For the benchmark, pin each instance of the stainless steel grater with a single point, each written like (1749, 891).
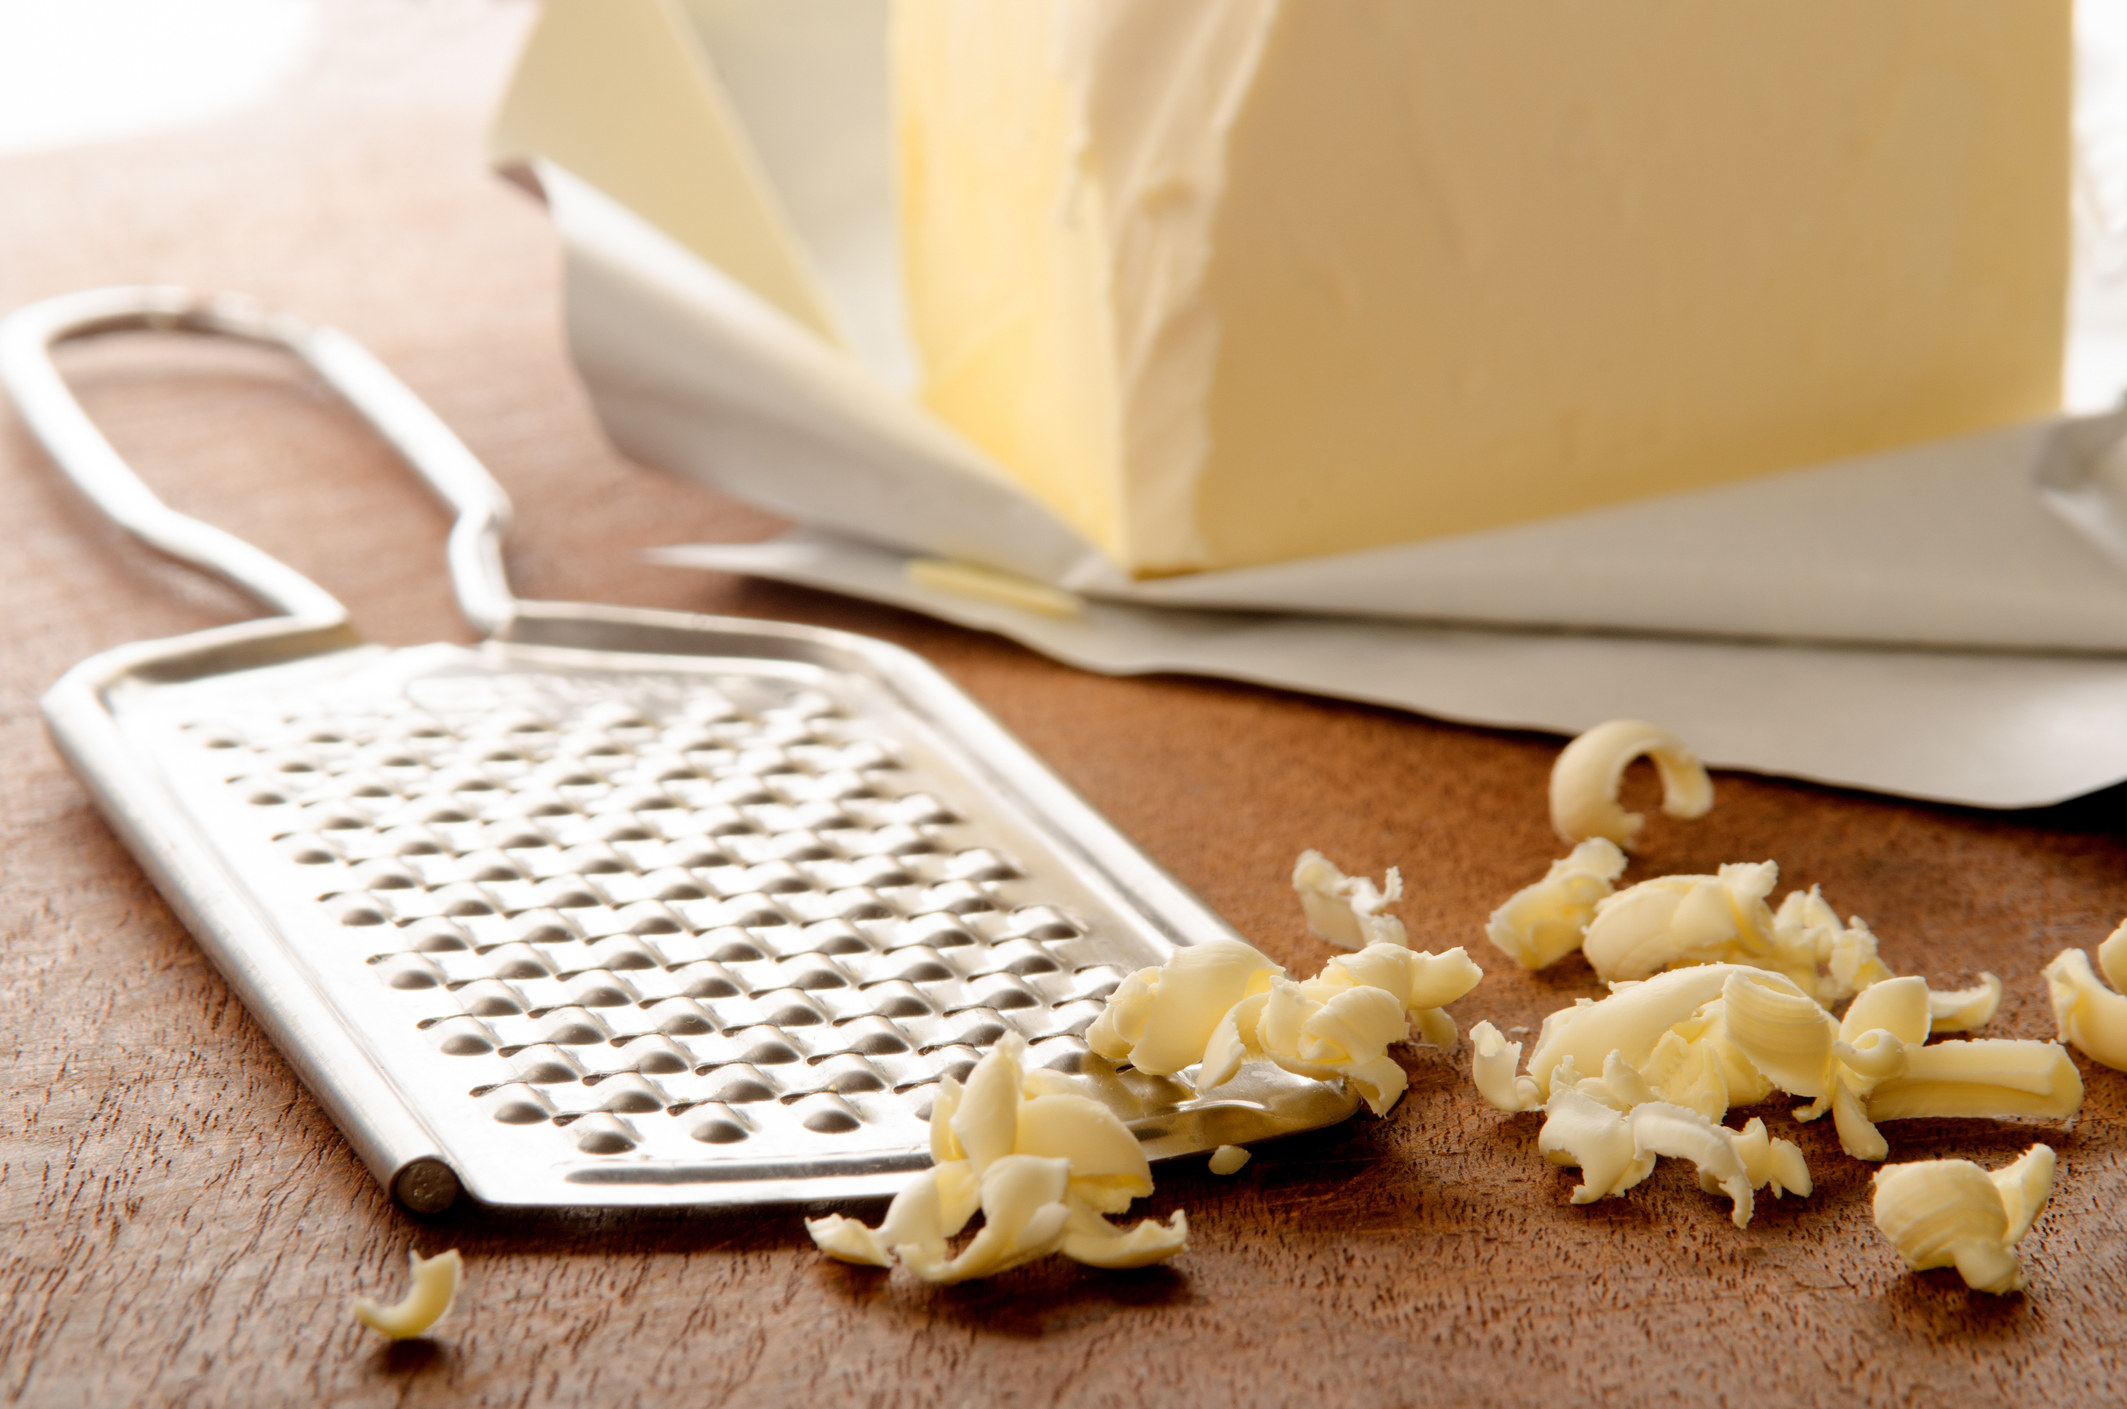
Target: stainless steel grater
(617, 907)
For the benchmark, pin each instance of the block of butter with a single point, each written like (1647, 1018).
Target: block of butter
(1227, 282)
(723, 178)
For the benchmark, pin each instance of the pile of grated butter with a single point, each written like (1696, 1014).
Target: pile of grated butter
(1717, 1000)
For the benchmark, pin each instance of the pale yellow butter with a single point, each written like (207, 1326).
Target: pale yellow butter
(435, 1287)
(1044, 1168)
(1952, 1213)
(1234, 281)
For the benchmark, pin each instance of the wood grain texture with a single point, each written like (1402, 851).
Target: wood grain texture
(187, 1228)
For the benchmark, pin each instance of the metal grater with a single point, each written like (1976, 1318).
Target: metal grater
(617, 907)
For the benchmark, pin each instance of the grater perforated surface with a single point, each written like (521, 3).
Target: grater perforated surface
(640, 913)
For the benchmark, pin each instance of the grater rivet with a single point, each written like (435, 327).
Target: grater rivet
(425, 1186)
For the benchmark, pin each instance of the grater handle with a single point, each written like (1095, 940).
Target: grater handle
(28, 335)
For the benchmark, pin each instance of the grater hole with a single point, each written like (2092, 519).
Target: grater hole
(306, 849)
(1032, 964)
(520, 1111)
(770, 1054)
(626, 958)
(660, 1062)
(902, 1005)
(879, 1044)
(535, 929)
(793, 1016)
(698, 855)
(736, 952)
(713, 986)
(520, 965)
(718, 1131)
(384, 875)
(831, 1122)
(615, 715)
(489, 1001)
(844, 944)
(604, 1142)
(1070, 1061)
(357, 910)
(982, 1034)
(848, 1082)
(466, 1044)
(983, 866)
(743, 1091)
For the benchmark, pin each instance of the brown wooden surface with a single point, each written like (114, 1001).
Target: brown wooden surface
(187, 1227)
